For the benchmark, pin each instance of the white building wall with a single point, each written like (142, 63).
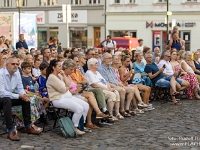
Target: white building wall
(128, 17)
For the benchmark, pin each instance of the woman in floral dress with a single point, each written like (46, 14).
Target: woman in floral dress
(179, 65)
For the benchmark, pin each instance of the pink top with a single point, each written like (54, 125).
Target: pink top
(117, 75)
(72, 86)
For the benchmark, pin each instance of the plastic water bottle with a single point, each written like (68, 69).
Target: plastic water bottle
(36, 85)
(32, 88)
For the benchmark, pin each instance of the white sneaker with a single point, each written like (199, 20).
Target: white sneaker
(142, 105)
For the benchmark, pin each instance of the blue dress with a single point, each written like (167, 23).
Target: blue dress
(42, 84)
(140, 69)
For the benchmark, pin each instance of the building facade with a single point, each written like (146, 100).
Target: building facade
(86, 29)
(146, 19)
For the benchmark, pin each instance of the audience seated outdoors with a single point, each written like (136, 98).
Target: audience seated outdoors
(158, 79)
(132, 90)
(60, 95)
(90, 84)
(69, 66)
(127, 77)
(96, 80)
(139, 66)
(12, 93)
(109, 75)
(169, 71)
(186, 72)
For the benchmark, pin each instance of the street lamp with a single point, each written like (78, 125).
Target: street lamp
(167, 20)
(19, 6)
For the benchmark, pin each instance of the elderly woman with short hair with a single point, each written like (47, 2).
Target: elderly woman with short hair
(96, 80)
(69, 66)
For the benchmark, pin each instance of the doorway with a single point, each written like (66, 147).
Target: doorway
(97, 36)
(185, 35)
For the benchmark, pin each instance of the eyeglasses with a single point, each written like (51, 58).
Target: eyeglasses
(76, 51)
(167, 56)
(13, 64)
(109, 58)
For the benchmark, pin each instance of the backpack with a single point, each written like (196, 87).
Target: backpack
(102, 44)
(67, 127)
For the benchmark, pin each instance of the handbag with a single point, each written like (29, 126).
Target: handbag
(67, 127)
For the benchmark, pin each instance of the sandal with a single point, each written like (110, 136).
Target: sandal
(125, 114)
(177, 103)
(175, 94)
(36, 128)
(87, 130)
(133, 113)
(119, 116)
(115, 118)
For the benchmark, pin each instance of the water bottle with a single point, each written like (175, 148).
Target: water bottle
(36, 85)
(32, 88)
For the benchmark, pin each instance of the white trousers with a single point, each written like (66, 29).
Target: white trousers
(78, 106)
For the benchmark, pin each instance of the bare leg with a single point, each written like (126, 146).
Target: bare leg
(110, 107)
(146, 90)
(117, 107)
(92, 101)
(130, 93)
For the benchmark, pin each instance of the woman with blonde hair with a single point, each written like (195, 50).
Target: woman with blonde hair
(185, 72)
(139, 66)
(126, 77)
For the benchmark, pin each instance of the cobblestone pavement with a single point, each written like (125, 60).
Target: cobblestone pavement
(155, 130)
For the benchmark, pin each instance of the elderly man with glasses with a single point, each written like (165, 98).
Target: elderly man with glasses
(12, 94)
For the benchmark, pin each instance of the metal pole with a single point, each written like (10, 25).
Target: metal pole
(167, 24)
(67, 34)
(19, 18)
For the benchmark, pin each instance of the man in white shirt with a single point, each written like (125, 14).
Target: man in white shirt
(140, 47)
(12, 94)
(110, 45)
(169, 71)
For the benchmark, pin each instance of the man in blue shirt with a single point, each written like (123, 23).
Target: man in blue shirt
(158, 79)
(22, 44)
(12, 94)
(109, 75)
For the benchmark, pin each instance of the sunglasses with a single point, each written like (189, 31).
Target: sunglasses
(13, 64)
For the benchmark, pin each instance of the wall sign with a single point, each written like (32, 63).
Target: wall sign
(162, 24)
(40, 16)
(77, 16)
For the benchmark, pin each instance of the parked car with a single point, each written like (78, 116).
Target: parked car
(122, 43)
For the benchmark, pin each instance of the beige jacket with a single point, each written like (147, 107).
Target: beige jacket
(55, 87)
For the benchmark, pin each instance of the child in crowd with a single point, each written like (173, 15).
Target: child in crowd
(28, 83)
(36, 70)
(42, 80)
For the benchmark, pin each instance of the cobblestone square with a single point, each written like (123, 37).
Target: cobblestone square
(165, 128)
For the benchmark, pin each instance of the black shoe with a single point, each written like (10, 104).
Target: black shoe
(106, 112)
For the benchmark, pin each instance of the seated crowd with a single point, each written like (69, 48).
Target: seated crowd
(114, 86)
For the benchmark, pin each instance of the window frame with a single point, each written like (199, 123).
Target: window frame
(47, 2)
(92, 2)
(7, 2)
(73, 2)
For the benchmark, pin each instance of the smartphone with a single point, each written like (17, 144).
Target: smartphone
(179, 73)
(83, 88)
(164, 66)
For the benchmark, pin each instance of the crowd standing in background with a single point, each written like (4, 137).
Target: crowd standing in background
(115, 84)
